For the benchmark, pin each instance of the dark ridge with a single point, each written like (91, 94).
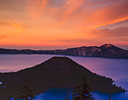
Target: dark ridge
(57, 72)
(106, 50)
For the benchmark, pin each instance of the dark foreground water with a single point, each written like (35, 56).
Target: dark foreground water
(117, 69)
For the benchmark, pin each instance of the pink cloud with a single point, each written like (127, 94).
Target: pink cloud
(117, 32)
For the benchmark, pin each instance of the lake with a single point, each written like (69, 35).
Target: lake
(117, 69)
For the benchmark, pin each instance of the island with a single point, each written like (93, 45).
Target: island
(57, 72)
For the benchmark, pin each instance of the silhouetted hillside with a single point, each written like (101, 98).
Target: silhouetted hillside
(57, 72)
(106, 50)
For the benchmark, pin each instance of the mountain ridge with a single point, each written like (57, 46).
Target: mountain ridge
(106, 50)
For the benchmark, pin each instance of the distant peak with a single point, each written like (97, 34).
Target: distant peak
(107, 45)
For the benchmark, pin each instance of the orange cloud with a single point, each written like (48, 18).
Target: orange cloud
(110, 22)
(41, 3)
(71, 6)
(37, 8)
(2, 36)
(112, 14)
(68, 10)
(56, 22)
(17, 26)
(45, 2)
(10, 28)
(116, 32)
(37, 2)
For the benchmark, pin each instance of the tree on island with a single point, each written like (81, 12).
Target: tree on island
(82, 92)
(26, 93)
(67, 98)
(110, 96)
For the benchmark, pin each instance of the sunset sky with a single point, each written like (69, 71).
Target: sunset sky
(58, 24)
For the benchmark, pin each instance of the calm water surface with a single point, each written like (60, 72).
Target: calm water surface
(117, 69)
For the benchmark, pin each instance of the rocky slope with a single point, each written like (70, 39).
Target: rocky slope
(57, 72)
(106, 50)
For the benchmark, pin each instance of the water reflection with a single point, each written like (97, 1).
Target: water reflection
(60, 94)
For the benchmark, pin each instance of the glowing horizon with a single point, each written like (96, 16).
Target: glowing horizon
(55, 24)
